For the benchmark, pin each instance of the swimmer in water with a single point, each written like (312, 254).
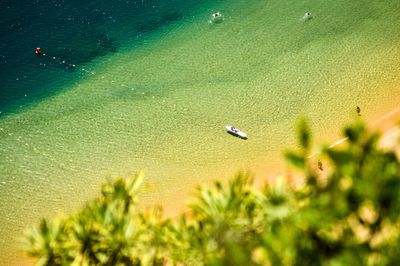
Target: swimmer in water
(320, 167)
(307, 16)
(216, 17)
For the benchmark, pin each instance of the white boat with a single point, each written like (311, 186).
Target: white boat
(234, 131)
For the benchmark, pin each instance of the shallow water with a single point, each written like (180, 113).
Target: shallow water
(157, 98)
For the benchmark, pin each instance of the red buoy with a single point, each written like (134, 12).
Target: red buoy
(38, 51)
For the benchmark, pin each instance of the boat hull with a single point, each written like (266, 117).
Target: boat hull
(236, 132)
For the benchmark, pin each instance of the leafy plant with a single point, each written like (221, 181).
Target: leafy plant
(344, 213)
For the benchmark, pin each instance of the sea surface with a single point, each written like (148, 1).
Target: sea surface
(129, 86)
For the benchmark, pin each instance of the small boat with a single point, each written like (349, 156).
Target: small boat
(236, 132)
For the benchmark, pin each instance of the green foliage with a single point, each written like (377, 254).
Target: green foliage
(298, 159)
(347, 214)
(304, 135)
(107, 231)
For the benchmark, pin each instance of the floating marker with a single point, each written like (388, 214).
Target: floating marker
(38, 51)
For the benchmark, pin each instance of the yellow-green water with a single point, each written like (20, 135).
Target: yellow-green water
(162, 107)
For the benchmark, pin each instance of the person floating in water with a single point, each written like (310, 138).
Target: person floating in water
(216, 17)
(358, 110)
(307, 16)
(320, 167)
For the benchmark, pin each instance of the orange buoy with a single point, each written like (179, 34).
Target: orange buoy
(38, 51)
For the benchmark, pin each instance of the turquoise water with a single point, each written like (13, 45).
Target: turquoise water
(158, 87)
(71, 34)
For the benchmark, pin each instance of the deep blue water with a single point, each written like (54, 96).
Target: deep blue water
(71, 33)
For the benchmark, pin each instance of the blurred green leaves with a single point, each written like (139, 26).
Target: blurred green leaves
(347, 213)
(298, 159)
